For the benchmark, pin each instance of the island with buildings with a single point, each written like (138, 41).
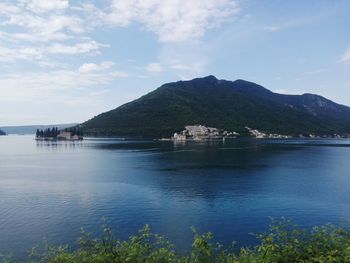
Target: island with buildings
(202, 133)
(52, 134)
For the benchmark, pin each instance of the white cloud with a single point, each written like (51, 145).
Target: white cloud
(40, 27)
(37, 86)
(154, 67)
(346, 56)
(31, 38)
(26, 53)
(191, 69)
(119, 74)
(79, 48)
(93, 67)
(170, 20)
(187, 60)
(41, 53)
(44, 5)
(8, 8)
(193, 66)
(37, 22)
(43, 25)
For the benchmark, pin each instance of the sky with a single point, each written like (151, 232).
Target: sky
(64, 61)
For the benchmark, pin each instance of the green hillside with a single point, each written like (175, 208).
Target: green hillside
(230, 105)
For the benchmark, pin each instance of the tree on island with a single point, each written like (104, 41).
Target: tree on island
(54, 132)
(47, 133)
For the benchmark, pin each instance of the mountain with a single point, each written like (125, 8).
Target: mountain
(229, 105)
(31, 129)
(2, 133)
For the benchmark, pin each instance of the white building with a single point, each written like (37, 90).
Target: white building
(179, 137)
(64, 135)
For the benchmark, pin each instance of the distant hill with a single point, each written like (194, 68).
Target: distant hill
(2, 133)
(31, 129)
(230, 105)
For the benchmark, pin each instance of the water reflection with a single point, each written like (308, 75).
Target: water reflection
(51, 189)
(58, 144)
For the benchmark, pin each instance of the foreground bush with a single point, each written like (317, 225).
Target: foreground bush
(283, 242)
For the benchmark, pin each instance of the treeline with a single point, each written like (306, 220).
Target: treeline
(52, 133)
(284, 242)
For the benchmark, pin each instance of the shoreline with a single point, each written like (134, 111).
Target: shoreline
(57, 139)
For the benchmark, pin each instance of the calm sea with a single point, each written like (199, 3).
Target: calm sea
(48, 191)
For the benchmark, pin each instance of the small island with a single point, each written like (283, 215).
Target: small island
(68, 134)
(2, 133)
(202, 133)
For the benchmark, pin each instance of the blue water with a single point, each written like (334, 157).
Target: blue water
(48, 191)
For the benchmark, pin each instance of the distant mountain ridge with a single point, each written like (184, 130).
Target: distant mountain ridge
(229, 105)
(2, 133)
(31, 129)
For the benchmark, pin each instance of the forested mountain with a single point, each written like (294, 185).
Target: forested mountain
(230, 105)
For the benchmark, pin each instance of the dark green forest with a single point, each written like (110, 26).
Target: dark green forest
(228, 105)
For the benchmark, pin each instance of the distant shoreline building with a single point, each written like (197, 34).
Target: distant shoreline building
(66, 135)
(202, 133)
(71, 134)
(261, 135)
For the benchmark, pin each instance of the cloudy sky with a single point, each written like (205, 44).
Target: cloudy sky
(69, 60)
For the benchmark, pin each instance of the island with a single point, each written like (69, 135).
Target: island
(52, 134)
(2, 133)
(202, 133)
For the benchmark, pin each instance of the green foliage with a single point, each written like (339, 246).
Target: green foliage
(47, 133)
(222, 104)
(284, 242)
(54, 132)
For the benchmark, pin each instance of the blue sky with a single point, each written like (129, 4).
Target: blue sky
(67, 61)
